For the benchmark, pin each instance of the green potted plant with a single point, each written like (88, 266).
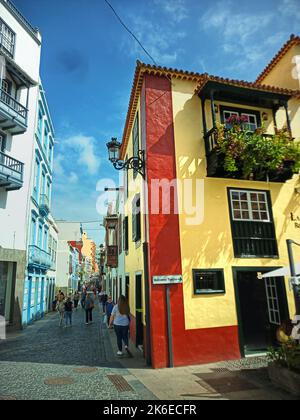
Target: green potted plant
(249, 155)
(284, 367)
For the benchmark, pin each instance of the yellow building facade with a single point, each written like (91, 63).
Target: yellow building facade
(223, 229)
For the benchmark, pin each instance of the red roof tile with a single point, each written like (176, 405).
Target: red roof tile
(244, 84)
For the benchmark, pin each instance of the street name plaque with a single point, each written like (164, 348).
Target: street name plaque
(167, 280)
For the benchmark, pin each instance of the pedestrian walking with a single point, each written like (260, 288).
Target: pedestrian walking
(108, 309)
(76, 299)
(120, 319)
(82, 301)
(68, 311)
(61, 311)
(103, 301)
(89, 307)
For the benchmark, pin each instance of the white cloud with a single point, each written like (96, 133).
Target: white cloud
(290, 8)
(160, 40)
(73, 178)
(239, 32)
(175, 9)
(57, 165)
(85, 147)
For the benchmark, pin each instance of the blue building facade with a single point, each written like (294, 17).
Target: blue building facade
(39, 287)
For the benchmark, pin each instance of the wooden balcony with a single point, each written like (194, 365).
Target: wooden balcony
(112, 256)
(215, 163)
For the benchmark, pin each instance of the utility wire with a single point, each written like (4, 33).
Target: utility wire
(129, 31)
(137, 40)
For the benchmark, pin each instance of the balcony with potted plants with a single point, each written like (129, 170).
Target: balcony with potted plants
(235, 152)
(238, 145)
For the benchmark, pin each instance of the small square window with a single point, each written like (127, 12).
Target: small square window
(207, 282)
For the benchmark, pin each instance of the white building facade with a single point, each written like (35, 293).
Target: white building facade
(69, 268)
(20, 47)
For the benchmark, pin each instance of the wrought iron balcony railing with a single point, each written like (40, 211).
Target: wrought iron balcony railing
(38, 257)
(13, 105)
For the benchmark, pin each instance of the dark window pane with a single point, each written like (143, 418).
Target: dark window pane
(237, 214)
(246, 215)
(208, 281)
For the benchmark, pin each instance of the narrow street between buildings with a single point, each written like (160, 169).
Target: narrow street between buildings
(46, 362)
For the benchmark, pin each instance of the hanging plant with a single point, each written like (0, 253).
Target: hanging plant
(255, 153)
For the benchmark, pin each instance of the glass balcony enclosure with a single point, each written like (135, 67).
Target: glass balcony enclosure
(38, 257)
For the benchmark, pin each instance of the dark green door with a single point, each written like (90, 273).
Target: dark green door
(262, 308)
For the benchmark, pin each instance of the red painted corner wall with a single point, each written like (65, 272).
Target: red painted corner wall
(190, 346)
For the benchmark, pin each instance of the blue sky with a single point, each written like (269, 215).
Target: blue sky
(88, 62)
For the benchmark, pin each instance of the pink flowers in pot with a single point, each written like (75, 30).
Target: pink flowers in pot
(236, 120)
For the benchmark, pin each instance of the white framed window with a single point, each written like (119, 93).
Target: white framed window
(227, 115)
(251, 123)
(7, 38)
(251, 206)
(273, 301)
(5, 86)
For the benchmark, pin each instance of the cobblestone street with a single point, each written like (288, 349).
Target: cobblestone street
(48, 362)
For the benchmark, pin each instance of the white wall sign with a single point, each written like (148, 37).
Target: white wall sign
(167, 279)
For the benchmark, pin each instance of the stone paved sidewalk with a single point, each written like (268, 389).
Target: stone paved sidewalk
(245, 379)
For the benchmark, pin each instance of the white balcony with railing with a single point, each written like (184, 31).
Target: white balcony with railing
(11, 173)
(13, 115)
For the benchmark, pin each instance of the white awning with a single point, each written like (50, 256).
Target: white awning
(282, 272)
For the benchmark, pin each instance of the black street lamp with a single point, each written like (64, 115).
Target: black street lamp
(137, 163)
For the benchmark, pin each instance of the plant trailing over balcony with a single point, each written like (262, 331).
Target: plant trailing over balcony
(255, 155)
